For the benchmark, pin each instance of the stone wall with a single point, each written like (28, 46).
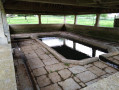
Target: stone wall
(33, 28)
(4, 28)
(103, 33)
(110, 34)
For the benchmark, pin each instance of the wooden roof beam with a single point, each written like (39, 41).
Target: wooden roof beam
(63, 2)
(76, 2)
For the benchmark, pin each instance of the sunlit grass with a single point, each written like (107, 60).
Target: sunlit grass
(58, 20)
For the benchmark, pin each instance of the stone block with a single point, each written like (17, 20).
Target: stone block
(69, 84)
(35, 63)
(96, 71)
(43, 81)
(93, 81)
(44, 56)
(86, 76)
(88, 65)
(116, 57)
(100, 65)
(39, 71)
(55, 67)
(65, 73)
(50, 61)
(52, 87)
(54, 77)
(110, 70)
(77, 69)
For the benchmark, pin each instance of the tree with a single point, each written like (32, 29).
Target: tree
(104, 16)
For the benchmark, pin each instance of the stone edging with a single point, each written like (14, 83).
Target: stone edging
(109, 48)
(69, 35)
(64, 60)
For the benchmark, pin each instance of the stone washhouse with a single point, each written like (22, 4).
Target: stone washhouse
(26, 63)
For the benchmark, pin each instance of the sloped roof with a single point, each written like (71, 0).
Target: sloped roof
(61, 6)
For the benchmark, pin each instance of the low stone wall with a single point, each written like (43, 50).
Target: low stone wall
(104, 33)
(34, 28)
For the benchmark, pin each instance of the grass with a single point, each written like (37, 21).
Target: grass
(59, 20)
(66, 64)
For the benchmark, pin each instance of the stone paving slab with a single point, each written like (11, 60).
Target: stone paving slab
(54, 77)
(77, 69)
(50, 61)
(44, 56)
(69, 84)
(52, 87)
(116, 57)
(93, 81)
(39, 52)
(39, 71)
(35, 63)
(86, 76)
(31, 56)
(100, 65)
(65, 73)
(89, 65)
(96, 71)
(43, 81)
(55, 67)
(110, 70)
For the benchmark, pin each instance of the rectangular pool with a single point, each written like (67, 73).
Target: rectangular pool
(71, 49)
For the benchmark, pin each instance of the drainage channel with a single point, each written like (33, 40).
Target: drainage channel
(24, 60)
(115, 65)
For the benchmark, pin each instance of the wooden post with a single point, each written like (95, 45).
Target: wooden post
(75, 20)
(64, 19)
(74, 45)
(39, 16)
(64, 42)
(97, 20)
(93, 52)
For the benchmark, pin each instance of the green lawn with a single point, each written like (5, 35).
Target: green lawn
(58, 20)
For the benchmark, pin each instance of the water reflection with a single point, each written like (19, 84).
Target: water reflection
(76, 47)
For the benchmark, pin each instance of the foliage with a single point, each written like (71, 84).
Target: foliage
(59, 20)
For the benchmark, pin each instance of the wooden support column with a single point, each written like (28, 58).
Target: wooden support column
(39, 17)
(97, 20)
(74, 45)
(64, 42)
(64, 19)
(75, 20)
(93, 52)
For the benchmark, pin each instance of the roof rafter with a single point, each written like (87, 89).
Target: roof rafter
(76, 2)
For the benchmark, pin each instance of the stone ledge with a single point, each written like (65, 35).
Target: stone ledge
(7, 75)
(110, 54)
